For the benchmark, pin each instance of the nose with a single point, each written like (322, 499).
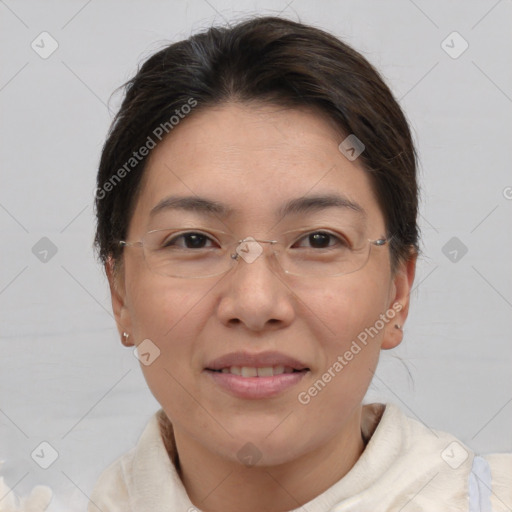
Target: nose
(254, 292)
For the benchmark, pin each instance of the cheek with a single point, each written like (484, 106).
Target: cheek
(347, 336)
(345, 308)
(350, 355)
(167, 314)
(159, 307)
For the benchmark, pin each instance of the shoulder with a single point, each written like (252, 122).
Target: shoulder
(110, 493)
(114, 489)
(432, 467)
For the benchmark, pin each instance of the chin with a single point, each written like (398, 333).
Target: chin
(251, 453)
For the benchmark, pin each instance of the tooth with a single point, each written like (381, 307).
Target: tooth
(265, 372)
(246, 371)
(278, 370)
(249, 371)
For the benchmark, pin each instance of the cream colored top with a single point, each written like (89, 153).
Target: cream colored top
(405, 467)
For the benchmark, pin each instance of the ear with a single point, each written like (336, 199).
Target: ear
(118, 296)
(399, 302)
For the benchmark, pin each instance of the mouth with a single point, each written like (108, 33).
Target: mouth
(255, 375)
(252, 383)
(252, 371)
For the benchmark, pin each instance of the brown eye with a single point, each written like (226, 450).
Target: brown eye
(322, 239)
(191, 240)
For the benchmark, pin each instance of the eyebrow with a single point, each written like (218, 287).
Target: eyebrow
(208, 207)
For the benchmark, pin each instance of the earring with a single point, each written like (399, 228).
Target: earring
(398, 326)
(125, 336)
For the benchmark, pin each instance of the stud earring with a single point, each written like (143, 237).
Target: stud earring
(398, 326)
(125, 336)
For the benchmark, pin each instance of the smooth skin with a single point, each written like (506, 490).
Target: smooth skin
(254, 158)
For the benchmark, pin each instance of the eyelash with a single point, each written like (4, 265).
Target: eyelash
(172, 241)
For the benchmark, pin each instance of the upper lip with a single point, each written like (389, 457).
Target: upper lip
(256, 360)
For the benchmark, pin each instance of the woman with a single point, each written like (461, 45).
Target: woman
(257, 219)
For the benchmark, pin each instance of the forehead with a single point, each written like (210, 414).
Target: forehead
(253, 160)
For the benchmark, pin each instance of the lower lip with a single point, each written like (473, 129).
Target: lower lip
(256, 387)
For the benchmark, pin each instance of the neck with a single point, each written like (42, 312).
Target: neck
(214, 483)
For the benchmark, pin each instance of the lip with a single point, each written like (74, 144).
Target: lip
(255, 360)
(256, 387)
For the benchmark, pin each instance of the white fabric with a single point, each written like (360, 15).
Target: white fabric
(37, 501)
(405, 467)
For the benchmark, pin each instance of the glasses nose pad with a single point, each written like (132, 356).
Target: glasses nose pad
(250, 249)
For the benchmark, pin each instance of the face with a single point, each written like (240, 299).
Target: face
(253, 160)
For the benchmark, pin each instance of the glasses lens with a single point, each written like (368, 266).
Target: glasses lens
(190, 254)
(198, 254)
(331, 261)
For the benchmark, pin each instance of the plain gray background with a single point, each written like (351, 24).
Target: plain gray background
(65, 377)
